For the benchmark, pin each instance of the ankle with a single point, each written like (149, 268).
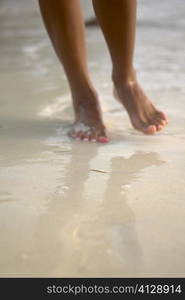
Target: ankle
(85, 101)
(123, 78)
(83, 96)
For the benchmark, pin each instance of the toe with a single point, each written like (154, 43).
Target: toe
(149, 129)
(155, 124)
(103, 139)
(102, 136)
(85, 139)
(93, 137)
(158, 124)
(156, 121)
(75, 134)
(79, 135)
(85, 136)
(94, 140)
(162, 117)
(159, 127)
(92, 134)
(161, 122)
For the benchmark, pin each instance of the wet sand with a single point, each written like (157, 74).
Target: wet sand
(73, 209)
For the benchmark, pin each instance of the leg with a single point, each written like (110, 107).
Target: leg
(64, 23)
(117, 19)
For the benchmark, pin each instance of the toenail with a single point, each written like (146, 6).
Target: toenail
(86, 139)
(103, 139)
(159, 127)
(93, 140)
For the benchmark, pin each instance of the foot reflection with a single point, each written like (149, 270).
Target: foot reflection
(82, 237)
(118, 215)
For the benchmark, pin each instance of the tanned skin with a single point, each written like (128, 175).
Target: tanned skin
(117, 18)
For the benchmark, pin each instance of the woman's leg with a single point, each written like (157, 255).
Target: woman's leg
(64, 23)
(117, 19)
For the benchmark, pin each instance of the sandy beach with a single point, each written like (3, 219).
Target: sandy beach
(79, 209)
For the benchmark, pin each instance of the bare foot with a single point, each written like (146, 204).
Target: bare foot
(143, 114)
(89, 125)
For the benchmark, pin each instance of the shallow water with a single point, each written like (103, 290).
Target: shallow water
(72, 209)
